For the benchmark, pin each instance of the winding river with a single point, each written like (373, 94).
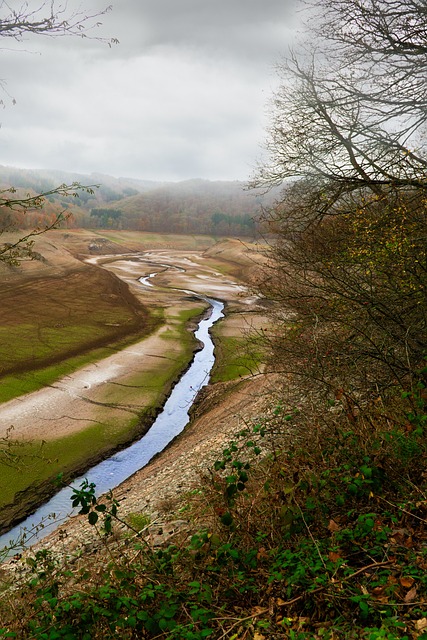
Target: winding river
(120, 466)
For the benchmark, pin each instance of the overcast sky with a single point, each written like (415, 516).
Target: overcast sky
(184, 94)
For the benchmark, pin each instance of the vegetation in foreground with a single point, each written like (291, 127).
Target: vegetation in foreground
(312, 524)
(323, 539)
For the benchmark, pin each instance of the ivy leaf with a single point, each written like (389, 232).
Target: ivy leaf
(93, 517)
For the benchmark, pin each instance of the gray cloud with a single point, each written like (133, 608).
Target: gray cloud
(183, 94)
(232, 27)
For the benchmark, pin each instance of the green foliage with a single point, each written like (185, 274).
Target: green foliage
(322, 542)
(107, 218)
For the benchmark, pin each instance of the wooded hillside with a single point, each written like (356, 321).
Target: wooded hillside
(192, 206)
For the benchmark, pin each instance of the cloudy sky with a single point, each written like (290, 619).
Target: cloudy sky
(184, 95)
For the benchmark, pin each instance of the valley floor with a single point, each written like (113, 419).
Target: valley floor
(119, 393)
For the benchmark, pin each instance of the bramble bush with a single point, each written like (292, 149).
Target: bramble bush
(325, 541)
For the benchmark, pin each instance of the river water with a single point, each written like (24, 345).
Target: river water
(114, 470)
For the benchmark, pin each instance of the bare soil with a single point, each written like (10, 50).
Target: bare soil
(74, 402)
(81, 399)
(40, 315)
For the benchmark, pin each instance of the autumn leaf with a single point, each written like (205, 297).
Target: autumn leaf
(421, 624)
(333, 526)
(406, 582)
(409, 543)
(262, 554)
(411, 595)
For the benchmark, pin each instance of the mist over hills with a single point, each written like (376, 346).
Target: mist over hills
(191, 206)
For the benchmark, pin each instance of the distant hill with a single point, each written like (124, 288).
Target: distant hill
(192, 206)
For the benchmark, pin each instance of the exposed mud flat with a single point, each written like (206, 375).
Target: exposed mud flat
(80, 399)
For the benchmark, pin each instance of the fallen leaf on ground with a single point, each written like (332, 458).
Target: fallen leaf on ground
(421, 624)
(333, 526)
(406, 582)
(411, 595)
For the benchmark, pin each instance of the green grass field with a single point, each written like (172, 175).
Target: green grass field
(235, 357)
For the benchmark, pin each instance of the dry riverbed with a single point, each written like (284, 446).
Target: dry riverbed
(112, 394)
(75, 402)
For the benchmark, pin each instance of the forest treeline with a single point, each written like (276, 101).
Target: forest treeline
(192, 206)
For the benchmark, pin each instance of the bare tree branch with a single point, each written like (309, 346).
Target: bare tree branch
(49, 19)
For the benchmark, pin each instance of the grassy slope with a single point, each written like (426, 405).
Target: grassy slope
(60, 314)
(54, 325)
(38, 462)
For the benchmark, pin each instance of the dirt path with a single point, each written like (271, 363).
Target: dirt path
(81, 399)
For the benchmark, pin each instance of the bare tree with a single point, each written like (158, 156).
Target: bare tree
(352, 108)
(50, 19)
(349, 260)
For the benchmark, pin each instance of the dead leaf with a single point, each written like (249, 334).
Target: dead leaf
(334, 557)
(398, 535)
(409, 543)
(262, 554)
(333, 526)
(302, 621)
(258, 636)
(411, 595)
(406, 582)
(421, 624)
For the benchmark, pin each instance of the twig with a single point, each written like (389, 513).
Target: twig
(368, 566)
(240, 620)
(312, 538)
(417, 489)
(403, 510)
